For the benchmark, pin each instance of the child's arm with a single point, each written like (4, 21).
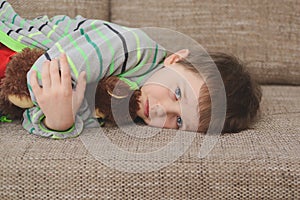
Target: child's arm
(57, 100)
(100, 49)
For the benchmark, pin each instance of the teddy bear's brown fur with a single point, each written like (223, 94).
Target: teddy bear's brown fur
(15, 83)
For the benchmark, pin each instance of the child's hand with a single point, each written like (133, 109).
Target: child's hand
(56, 98)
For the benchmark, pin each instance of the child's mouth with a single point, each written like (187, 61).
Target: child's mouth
(146, 110)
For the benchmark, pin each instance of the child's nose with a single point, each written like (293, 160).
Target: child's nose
(167, 108)
(162, 113)
(158, 115)
(159, 110)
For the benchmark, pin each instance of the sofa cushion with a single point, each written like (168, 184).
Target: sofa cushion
(262, 162)
(98, 9)
(264, 34)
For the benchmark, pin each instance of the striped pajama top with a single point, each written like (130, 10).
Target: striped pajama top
(97, 47)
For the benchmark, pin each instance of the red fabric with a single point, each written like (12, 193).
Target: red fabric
(5, 55)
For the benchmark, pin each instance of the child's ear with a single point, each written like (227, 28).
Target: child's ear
(179, 55)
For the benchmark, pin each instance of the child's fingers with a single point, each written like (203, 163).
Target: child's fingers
(54, 73)
(37, 90)
(78, 94)
(65, 71)
(46, 81)
(81, 83)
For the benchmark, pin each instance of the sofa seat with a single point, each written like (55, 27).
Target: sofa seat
(261, 162)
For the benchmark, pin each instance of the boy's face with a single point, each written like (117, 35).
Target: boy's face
(169, 98)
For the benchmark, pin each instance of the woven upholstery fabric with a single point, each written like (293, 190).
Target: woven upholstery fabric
(263, 34)
(94, 9)
(262, 162)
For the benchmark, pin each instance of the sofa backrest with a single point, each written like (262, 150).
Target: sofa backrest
(98, 9)
(263, 34)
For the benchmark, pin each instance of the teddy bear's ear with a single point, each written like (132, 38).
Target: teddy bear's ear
(99, 114)
(21, 102)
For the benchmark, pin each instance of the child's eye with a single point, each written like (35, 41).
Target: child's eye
(179, 122)
(177, 93)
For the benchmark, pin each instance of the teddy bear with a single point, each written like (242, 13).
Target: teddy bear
(15, 96)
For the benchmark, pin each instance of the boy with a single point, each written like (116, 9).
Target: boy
(91, 50)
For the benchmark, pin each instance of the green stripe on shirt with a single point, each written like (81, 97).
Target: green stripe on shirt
(153, 65)
(22, 23)
(66, 32)
(83, 54)
(14, 18)
(97, 50)
(1, 13)
(71, 63)
(61, 20)
(138, 43)
(11, 43)
(29, 119)
(139, 66)
(108, 43)
(52, 31)
(8, 13)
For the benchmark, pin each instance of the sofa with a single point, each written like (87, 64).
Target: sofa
(262, 162)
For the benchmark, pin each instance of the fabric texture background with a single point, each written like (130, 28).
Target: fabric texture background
(260, 163)
(264, 34)
(88, 8)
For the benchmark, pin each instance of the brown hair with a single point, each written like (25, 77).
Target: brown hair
(243, 93)
(113, 96)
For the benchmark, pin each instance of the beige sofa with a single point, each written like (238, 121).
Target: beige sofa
(260, 163)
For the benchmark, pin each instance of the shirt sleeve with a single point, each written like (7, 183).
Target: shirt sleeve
(100, 49)
(41, 32)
